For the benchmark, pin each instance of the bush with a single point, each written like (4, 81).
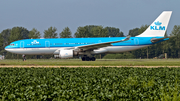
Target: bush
(119, 56)
(89, 83)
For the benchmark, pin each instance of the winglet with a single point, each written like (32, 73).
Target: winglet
(128, 37)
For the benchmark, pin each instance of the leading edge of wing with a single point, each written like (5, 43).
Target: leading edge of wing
(100, 45)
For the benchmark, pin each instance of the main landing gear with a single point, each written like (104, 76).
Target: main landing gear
(86, 58)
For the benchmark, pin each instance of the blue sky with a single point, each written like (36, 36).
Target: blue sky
(122, 14)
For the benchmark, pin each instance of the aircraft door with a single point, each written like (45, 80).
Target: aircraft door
(47, 44)
(22, 44)
(136, 41)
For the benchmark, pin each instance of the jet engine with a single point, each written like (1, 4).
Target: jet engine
(67, 54)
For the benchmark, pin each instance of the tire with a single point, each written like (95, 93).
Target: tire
(93, 59)
(83, 58)
(87, 58)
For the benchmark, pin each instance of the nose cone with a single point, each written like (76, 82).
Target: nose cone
(10, 49)
(7, 48)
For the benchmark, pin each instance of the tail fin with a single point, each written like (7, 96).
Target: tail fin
(158, 27)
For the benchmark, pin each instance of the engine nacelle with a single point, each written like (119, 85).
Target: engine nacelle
(66, 54)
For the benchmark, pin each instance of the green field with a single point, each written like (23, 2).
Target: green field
(90, 84)
(98, 62)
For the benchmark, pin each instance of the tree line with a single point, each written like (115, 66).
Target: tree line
(171, 47)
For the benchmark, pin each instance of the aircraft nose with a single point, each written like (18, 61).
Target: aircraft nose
(10, 49)
(6, 48)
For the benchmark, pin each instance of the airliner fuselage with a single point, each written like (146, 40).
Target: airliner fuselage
(49, 46)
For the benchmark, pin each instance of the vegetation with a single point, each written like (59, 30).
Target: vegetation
(125, 55)
(99, 62)
(66, 33)
(50, 33)
(34, 34)
(90, 84)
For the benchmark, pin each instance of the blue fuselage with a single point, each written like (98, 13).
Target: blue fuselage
(74, 42)
(49, 46)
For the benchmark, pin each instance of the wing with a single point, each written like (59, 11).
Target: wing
(100, 45)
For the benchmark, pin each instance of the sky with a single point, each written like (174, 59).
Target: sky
(122, 14)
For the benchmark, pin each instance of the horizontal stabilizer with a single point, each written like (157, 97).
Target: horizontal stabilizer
(154, 40)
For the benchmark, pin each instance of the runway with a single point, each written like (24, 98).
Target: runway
(50, 66)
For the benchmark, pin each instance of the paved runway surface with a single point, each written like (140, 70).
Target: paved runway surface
(45, 66)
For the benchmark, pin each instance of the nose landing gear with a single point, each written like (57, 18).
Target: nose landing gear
(24, 57)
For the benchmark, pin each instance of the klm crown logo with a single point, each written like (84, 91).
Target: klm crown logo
(157, 23)
(157, 26)
(35, 42)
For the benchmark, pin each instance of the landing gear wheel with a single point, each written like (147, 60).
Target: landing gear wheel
(24, 57)
(93, 59)
(87, 58)
(83, 58)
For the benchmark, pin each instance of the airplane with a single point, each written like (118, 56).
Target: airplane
(87, 47)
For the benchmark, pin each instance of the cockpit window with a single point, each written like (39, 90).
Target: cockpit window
(11, 44)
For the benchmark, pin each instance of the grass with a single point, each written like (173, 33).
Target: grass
(98, 62)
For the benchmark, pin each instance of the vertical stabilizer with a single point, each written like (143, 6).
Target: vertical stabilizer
(158, 27)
